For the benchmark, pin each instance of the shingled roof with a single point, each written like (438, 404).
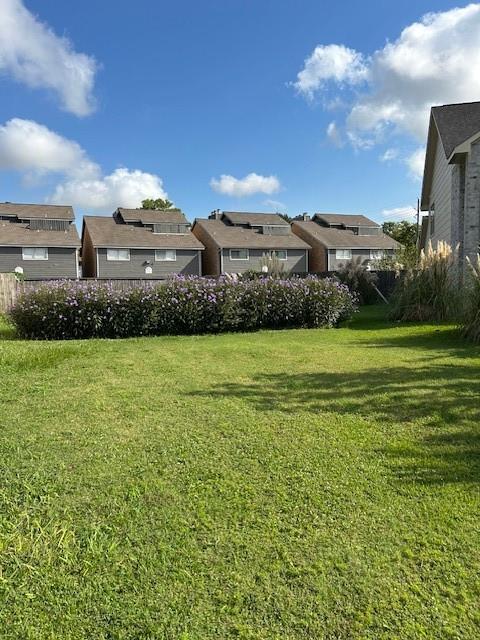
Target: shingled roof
(456, 123)
(18, 234)
(106, 233)
(153, 216)
(231, 237)
(254, 219)
(453, 124)
(347, 219)
(31, 211)
(343, 238)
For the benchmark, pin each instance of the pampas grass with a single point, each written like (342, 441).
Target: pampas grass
(429, 291)
(471, 319)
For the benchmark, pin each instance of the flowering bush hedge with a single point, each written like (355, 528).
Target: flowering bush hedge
(65, 310)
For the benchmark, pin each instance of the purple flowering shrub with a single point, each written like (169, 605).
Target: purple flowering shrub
(67, 310)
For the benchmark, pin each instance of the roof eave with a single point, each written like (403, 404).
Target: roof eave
(149, 247)
(432, 141)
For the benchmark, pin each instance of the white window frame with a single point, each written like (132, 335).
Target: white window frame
(339, 254)
(277, 251)
(244, 259)
(158, 259)
(34, 249)
(110, 258)
(377, 254)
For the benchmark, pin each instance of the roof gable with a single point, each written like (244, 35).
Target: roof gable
(32, 211)
(452, 125)
(254, 219)
(343, 238)
(153, 216)
(346, 219)
(227, 236)
(19, 234)
(456, 123)
(105, 232)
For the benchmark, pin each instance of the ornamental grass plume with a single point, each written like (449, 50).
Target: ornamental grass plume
(359, 280)
(429, 291)
(471, 318)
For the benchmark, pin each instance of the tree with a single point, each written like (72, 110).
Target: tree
(404, 232)
(157, 204)
(286, 217)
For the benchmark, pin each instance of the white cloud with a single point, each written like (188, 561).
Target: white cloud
(33, 149)
(32, 54)
(275, 204)
(331, 62)
(416, 162)
(334, 135)
(389, 155)
(27, 146)
(399, 213)
(433, 61)
(122, 188)
(247, 186)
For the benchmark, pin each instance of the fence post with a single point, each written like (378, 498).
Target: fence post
(9, 289)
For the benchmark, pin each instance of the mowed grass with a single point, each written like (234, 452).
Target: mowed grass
(292, 484)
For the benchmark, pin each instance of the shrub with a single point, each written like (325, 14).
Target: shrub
(359, 280)
(270, 266)
(429, 290)
(471, 319)
(66, 310)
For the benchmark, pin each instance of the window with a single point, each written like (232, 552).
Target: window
(165, 255)
(343, 254)
(239, 254)
(118, 255)
(432, 220)
(376, 254)
(163, 227)
(34, 253)
(281, 254)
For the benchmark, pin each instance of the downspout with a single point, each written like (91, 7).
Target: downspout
(98, 264)
(77, 262)
(199, 262)
(221, 261)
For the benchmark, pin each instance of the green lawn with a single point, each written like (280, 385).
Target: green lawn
(293, 484)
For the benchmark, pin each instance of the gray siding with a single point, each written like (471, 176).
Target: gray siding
(441, 197)
(296, 261)
(61, 263)
(471, 232)
(187, 263)
(364, 254)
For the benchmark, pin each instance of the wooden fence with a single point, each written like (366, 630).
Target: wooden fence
(9, 290)
(10, 287)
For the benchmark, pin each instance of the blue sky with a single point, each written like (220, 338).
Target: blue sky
(184, 92)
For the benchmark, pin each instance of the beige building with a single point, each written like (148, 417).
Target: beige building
(451, 180)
